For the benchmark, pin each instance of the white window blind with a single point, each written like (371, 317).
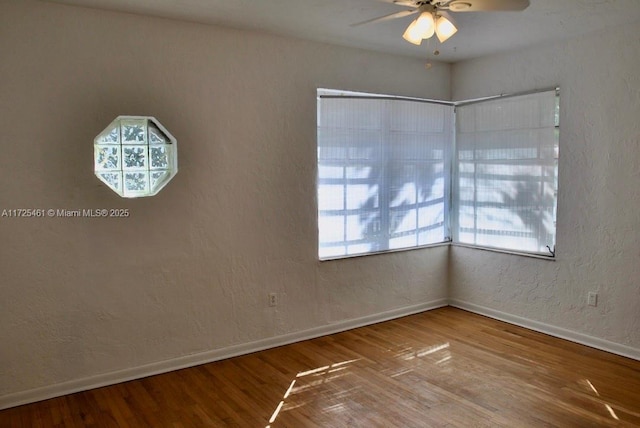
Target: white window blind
(383, 174)
(506, 173)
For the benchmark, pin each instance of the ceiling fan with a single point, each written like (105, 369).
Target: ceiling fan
(435, 19)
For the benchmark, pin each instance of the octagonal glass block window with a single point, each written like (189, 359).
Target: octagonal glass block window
(135, 156)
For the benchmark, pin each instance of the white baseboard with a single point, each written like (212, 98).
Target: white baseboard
(573, 336)
(70, 387)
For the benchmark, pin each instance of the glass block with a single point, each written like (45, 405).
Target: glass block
(110, 135)
(134, 131)
(158, 180)
(107, 158)
(112, 179)
(134, 157)
(156, 136)
(159, 157)
(136, 183)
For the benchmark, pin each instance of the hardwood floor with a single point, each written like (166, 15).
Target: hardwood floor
(442, 368)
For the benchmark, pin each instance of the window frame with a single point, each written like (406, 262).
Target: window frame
(386, 159)
(450, 179)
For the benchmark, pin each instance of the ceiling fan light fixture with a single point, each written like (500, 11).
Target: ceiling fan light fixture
(421, 28)
(411, 35)
(445, 28)
(425, 25)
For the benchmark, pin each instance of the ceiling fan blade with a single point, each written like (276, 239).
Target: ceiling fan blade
(487, 5)
(394, 15)
(407, 3)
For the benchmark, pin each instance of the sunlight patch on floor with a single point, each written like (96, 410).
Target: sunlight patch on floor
(606, 406)
(324, 374)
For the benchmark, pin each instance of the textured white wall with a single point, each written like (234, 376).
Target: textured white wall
(190, 269)
(598, 241)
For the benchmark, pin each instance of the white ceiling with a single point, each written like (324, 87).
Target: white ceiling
(480, 33)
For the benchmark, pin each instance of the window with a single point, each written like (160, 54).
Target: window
(506, 173)
(135, 156)
(385, 173)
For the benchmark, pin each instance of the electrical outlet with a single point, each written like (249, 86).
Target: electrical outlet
(273, 299)
(592, 299)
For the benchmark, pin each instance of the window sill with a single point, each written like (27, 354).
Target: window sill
(510, 252)
(351, 256)
(443, 244)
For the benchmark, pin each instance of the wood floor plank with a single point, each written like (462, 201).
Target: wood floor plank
(442, 368)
